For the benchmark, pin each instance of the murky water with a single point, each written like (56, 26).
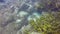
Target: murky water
(14, 14)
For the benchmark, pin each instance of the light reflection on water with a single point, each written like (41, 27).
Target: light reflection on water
(34, 16)
(27, 12)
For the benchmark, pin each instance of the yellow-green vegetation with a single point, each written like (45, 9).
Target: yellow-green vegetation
(47, 24)
(26, 32)
(43, 24)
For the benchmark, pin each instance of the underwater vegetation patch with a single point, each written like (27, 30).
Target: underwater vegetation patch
(30, 16)
(48, 23)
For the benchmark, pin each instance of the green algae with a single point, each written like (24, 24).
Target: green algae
(46, 24)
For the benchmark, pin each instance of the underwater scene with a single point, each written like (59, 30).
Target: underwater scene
(29, 16)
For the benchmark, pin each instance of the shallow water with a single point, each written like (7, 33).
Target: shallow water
(14, 14)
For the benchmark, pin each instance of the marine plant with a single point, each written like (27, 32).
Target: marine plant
(47, 24)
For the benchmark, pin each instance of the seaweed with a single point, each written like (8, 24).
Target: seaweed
(46, 24)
